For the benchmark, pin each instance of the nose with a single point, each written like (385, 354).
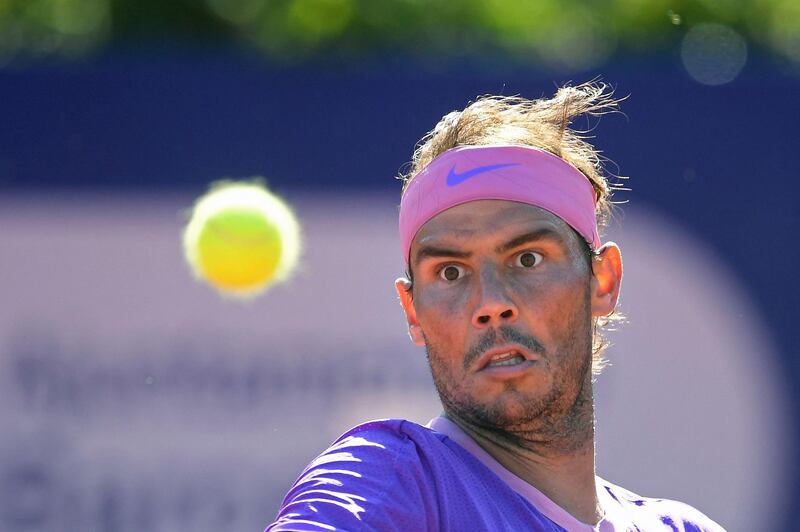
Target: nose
(495, 307)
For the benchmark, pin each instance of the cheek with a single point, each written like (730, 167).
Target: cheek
(437, 305)
(442, 314)
(554, 300)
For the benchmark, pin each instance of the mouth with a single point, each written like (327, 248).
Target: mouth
(505, 356)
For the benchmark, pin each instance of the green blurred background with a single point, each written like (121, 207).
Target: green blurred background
(554, 34)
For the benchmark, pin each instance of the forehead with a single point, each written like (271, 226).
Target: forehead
(485, 219)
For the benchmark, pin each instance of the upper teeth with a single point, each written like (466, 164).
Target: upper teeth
(506, 359)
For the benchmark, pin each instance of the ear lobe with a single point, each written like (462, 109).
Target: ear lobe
(606, 279)
(403, 287)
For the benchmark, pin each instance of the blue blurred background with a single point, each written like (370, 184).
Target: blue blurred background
(135, 398)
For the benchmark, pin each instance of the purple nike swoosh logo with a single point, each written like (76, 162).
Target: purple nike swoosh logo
(454, 178)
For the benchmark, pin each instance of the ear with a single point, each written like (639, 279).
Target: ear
(606, 279)
(403, 287)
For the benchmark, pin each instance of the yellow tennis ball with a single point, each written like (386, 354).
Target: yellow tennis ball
(241, 238)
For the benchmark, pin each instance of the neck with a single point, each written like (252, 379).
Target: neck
(555, 456)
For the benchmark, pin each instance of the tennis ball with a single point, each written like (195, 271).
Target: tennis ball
(241, 238)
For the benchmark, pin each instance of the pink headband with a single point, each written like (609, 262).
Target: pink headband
(515, 173)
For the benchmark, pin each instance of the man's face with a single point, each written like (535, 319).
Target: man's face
(502, 301)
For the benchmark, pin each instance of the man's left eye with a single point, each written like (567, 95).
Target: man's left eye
(528, 259)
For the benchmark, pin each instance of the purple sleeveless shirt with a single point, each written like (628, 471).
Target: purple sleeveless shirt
(396, 475)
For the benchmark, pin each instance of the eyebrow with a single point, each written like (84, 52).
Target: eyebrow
(545, 233)
(429, 252)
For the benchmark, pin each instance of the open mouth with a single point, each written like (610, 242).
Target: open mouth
(509, 358)
(506, 356)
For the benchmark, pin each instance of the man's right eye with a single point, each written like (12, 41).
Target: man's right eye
(451, 272)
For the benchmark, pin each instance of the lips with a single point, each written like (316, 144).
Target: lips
(505, 355)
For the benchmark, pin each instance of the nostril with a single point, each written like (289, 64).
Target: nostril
(507, 314)
(483, 319)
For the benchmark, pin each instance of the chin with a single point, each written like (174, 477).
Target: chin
(509, 409)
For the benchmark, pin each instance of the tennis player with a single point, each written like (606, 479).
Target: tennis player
(508, 287)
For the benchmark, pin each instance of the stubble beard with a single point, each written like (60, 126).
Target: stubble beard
(559, 421)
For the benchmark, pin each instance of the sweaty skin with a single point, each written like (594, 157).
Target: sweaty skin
(503, 299)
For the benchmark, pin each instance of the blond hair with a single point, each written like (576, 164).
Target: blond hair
(545, 124)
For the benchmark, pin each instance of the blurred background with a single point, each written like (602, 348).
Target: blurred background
(134, 398)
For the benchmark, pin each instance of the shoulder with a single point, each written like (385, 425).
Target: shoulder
(372, 477)
(392, 431)
(666, 513)
(382, 443)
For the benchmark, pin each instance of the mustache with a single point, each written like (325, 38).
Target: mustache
(501, 335)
